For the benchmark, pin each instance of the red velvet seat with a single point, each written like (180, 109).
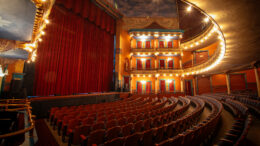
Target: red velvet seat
(159, 134)
(138, 126)
(147, 124)
(111, 117)
(139, 117)
(96, 137)
(97, 126)
(148, 136)
(157, 121)
(101, 119)
(119, 141)
(133, 140)
(80, 130)
(88, 121)
(113, 132)
(122, 121)
(170, 129)
(127, 129)
(131, 119)
(111, 123)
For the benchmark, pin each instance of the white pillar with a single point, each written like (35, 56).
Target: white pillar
(257, 81)
(156, 85)
(131, 84)
(228, 84)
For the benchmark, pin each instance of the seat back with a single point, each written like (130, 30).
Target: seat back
(119, 141)
(122, 121)
(97, 126)
(127, 129)
(80, 130)
(111, 123)
(148, 137)
(113, 132)
(133, 140)
(138, 126)
(96, 137)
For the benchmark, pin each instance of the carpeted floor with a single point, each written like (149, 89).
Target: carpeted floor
(45, 137)
(226, 122)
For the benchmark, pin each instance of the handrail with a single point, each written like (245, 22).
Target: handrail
(26, 107)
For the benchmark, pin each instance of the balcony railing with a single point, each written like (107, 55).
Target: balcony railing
(175, 49)
(155, 70)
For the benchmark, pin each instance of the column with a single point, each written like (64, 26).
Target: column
(182, 85)
(228, 83)
(130, 86)
(156, 85)
(155, 44)
(180, 64)
(156, 62)
(131, 46)
(257, 81)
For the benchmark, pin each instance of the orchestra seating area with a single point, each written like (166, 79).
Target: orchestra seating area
(148, 120)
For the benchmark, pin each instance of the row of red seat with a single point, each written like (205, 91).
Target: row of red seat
(156, 134)
(98, 124)
(153, 119)
(76, 122)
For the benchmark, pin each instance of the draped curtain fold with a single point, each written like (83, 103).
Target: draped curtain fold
(76, 55)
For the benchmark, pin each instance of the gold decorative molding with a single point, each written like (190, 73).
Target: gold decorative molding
(143, 22)
(6, 45)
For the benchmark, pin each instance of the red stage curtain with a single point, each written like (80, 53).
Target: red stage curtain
(148, 64)
(76, 55)
(89, 10)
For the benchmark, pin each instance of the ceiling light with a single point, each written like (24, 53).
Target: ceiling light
(189, 9)
(206, 19)
(47, 21)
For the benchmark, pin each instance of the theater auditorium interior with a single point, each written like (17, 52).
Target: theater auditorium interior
(129, 72)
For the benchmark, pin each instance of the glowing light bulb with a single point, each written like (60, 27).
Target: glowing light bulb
(189, 9)
(46, 21)
(206, 19)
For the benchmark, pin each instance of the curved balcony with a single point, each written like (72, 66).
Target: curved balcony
(155, 70)
(154, 50)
